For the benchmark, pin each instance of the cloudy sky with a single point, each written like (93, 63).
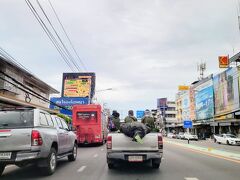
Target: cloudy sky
(143, 49)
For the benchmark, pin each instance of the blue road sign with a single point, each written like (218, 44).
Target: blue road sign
(187, 124)
(140, 114)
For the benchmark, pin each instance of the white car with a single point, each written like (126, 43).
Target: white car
(227, 139)
(171, 135)
(190, 136)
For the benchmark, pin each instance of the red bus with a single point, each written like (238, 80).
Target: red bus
(90, 123)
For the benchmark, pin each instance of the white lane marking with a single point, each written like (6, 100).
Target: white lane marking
(191, 178)
(81, 168)
(95, 155)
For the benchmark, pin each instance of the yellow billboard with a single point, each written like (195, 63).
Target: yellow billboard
(79, 87)
(183, 88)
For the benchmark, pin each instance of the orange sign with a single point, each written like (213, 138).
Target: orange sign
(223, 61)
(183, 88)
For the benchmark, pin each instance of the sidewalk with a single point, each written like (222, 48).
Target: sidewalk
(208, 147)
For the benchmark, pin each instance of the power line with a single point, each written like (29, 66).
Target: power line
(65, 48)
(7, 56)
(48, 33)
(28, 90)
(80, 60)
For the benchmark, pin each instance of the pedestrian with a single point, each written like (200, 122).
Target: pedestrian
(148, 119)
(130, 118)
(114, 121)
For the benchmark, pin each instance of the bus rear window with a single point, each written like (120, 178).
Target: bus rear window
(87, 116)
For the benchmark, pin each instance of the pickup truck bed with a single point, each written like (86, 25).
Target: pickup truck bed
(122, 147)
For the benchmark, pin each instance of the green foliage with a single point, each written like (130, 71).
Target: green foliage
(66, 118)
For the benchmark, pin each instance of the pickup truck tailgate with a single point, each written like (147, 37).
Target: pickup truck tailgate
(15, 139)
(121, 142)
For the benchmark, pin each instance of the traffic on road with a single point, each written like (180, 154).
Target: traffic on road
(112, 90)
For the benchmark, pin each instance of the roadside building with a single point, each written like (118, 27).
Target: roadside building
(204, 107)
(227, 106)
(19, 87)
(171, 116)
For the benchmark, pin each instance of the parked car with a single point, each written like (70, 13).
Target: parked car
(33, 136)
(229, 139)
(190, 136)
(180, 135)
(121, 147)
(171, 135)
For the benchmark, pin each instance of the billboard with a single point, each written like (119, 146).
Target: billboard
(226, 91)
(204, 102)
(78, 85)
(185, 106)
(67, 103)
(162, 103)
(192, 103)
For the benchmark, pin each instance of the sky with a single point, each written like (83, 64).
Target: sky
(143, 49)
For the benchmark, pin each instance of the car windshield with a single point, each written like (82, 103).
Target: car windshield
(230, 136)
(16, 119)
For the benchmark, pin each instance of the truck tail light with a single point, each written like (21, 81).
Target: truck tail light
(160, 141)
(36, 138)
(109, 142)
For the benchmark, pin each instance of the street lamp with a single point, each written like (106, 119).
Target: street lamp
(101, 90)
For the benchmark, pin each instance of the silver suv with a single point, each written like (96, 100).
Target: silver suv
(34, 136)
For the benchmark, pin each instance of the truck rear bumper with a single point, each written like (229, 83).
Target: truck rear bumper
(124, 155)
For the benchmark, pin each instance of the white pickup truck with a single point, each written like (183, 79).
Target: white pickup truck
(122, 147)
(227, 139)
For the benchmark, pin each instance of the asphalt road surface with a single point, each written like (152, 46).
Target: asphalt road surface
(178, 164)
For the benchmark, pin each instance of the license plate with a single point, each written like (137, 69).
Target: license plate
(135, 158)
(5, 155)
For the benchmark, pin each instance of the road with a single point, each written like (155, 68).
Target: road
(178, 164)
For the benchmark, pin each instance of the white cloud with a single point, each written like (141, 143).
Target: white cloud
(143, 49)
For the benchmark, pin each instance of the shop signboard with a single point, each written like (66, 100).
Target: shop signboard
(185, 105)
(226, 91)
(78, 85)
(192, 103)
(204, 102)
(67, 103)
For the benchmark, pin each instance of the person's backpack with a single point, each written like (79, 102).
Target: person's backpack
(111, 125)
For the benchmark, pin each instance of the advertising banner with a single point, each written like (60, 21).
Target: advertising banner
(204, 102)
(66, 103)
(226, 91)
(162, 103)
(186, 106)
(192, 103)
(78, 85)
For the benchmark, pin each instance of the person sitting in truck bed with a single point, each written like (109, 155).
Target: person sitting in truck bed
(148, 119)
(114, 121)
(130, 118)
